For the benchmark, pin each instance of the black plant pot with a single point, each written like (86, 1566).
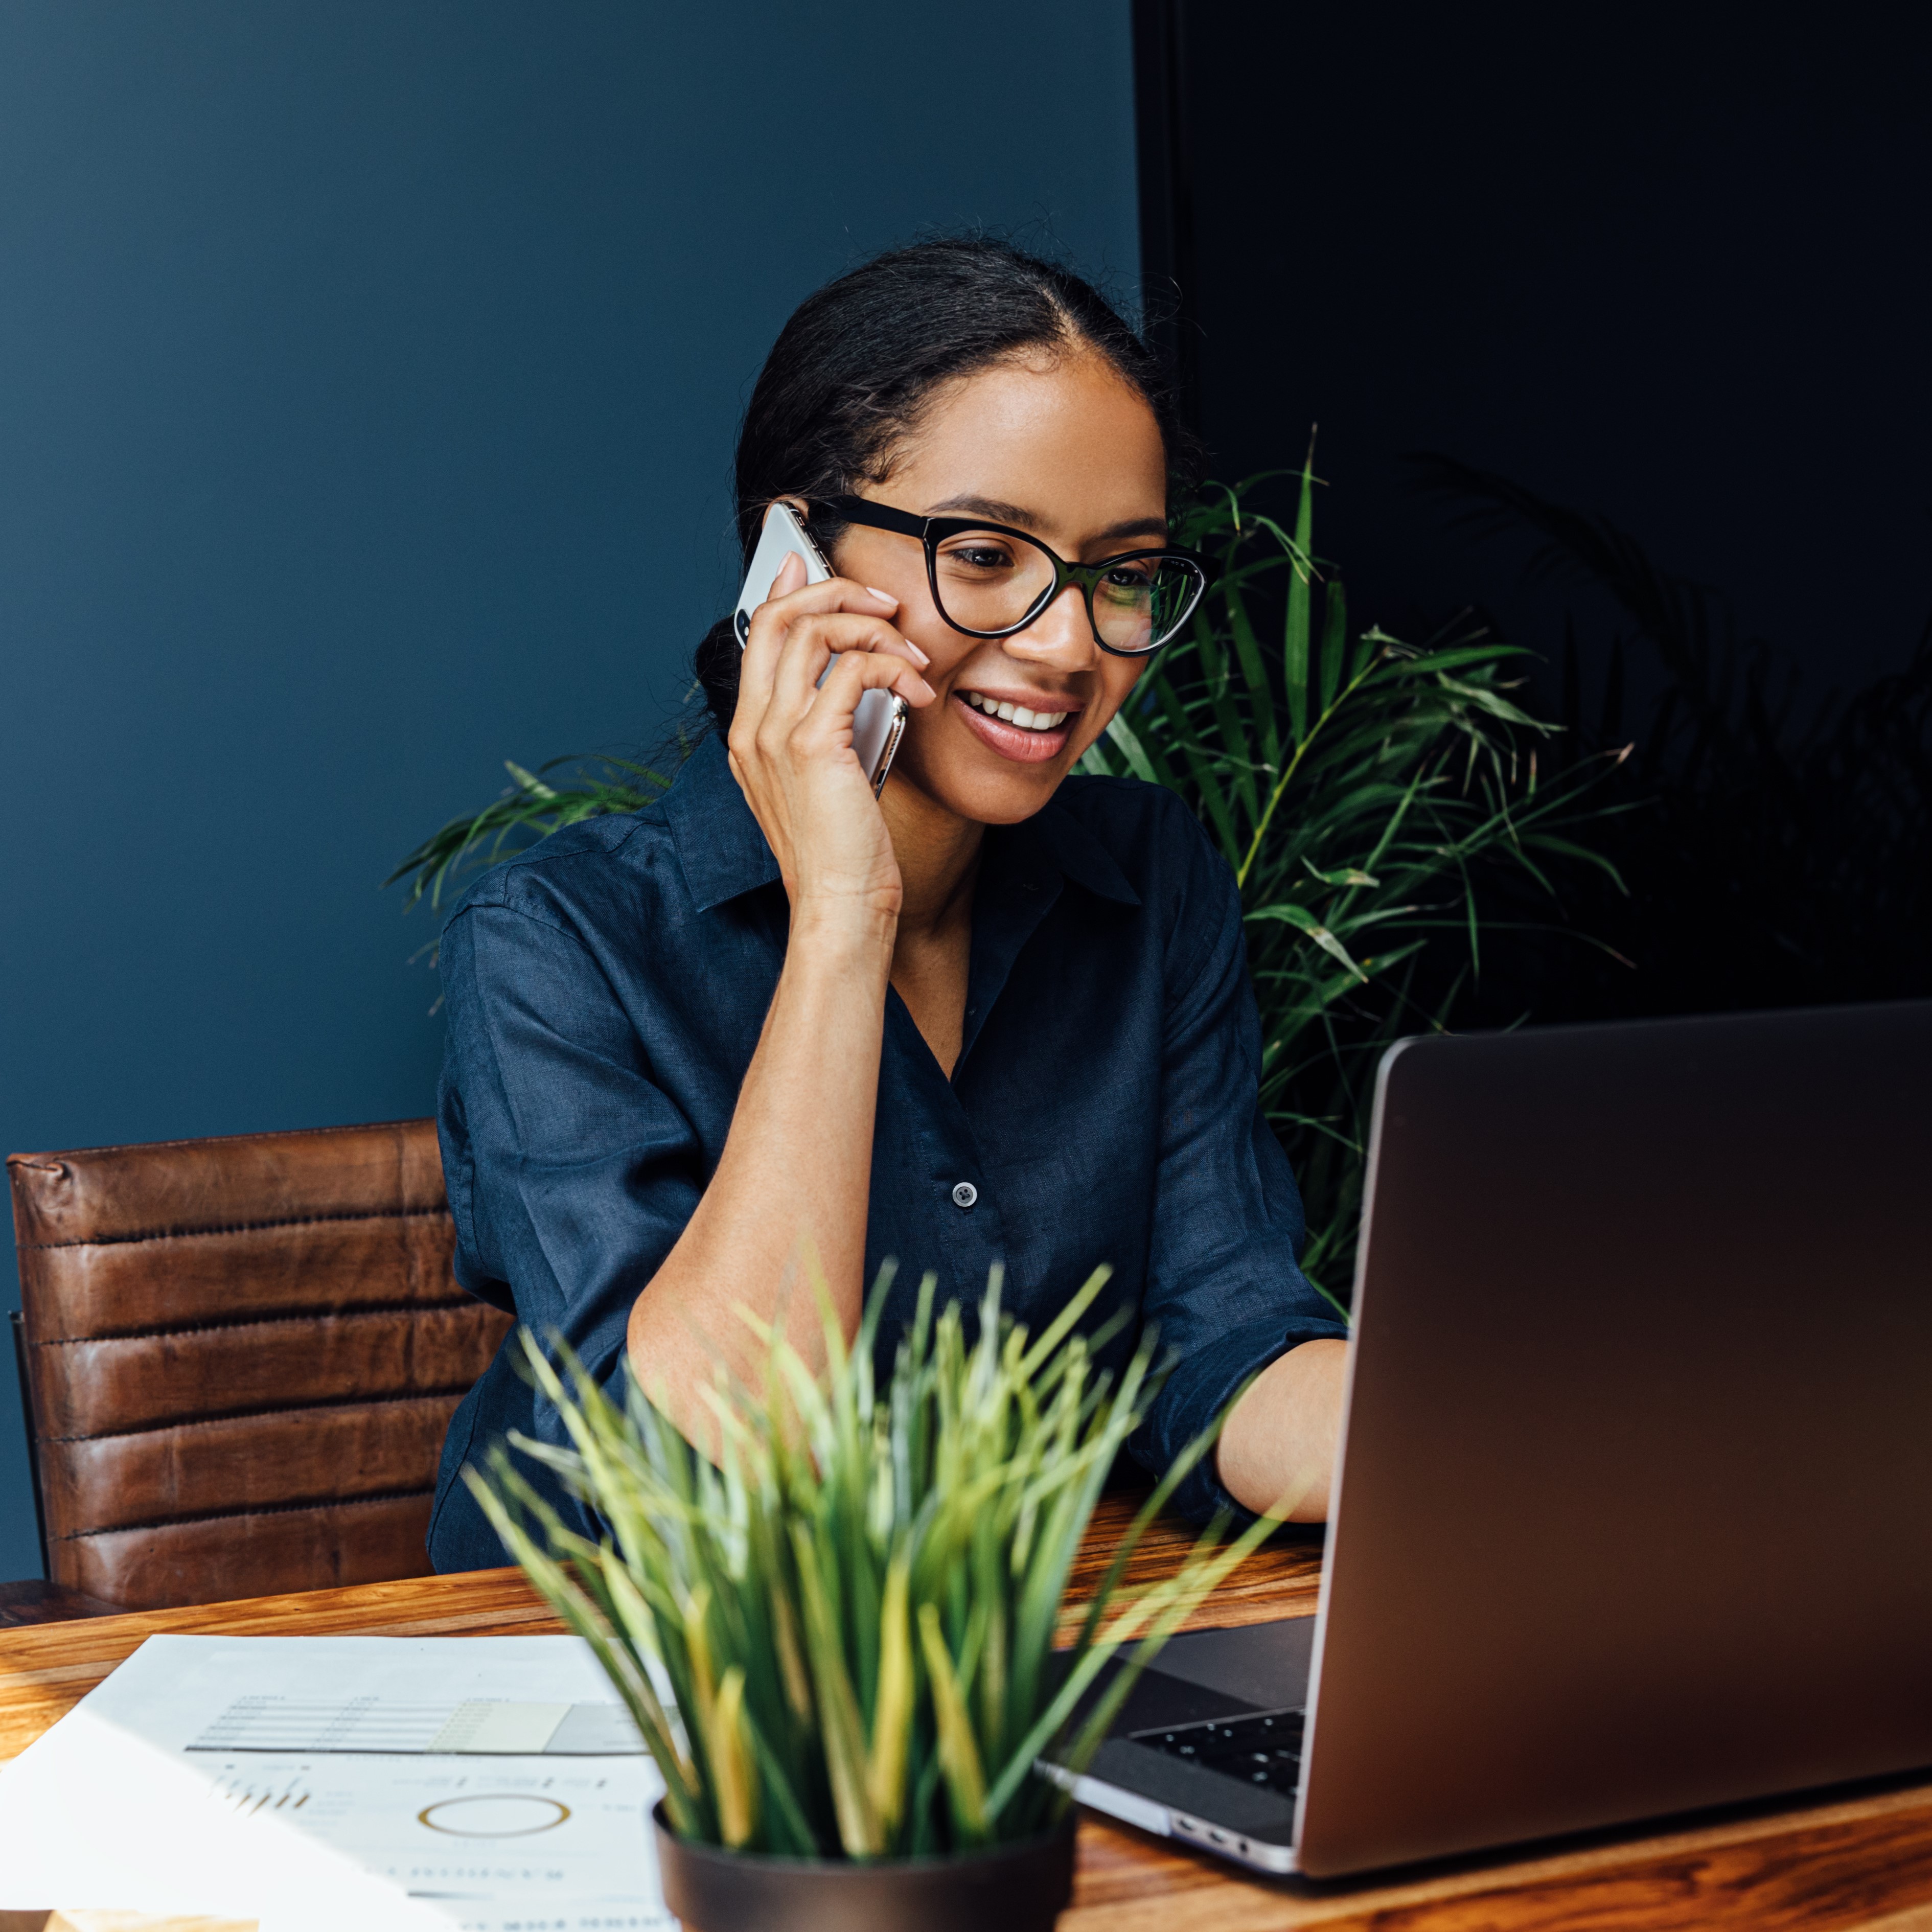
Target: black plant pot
(1013, 1888)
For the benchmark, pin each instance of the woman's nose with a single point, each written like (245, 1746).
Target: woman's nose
(1061, 635)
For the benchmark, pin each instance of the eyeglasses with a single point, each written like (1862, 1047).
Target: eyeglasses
(990, 580)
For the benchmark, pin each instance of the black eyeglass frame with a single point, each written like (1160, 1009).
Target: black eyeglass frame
(933, 531)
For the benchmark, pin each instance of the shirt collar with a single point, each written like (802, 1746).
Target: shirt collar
(1023, 871)
(724, 854)
(718, 843)
(1063, 841)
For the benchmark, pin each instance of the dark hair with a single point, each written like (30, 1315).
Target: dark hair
(854, 368)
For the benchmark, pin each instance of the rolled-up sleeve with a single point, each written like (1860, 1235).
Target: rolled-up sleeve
(1224, 1285)
(571, 1173)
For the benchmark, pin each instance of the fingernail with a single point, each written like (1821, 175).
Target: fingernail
(923, 659)
(883, 596)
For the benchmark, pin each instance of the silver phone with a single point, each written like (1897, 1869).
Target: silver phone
(879, 721)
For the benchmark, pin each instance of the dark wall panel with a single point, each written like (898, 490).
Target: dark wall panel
(1674, 265)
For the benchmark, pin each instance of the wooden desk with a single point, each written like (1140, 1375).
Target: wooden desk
(1864, 1862)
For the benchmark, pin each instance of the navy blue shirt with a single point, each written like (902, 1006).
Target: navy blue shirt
(604, 995)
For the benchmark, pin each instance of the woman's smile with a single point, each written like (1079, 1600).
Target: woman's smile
(1019, 724)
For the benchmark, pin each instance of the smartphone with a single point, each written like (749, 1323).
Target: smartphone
(879, 722)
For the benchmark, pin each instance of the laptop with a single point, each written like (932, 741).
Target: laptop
(1634, 1509)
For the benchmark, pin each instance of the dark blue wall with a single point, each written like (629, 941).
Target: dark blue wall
(368, 373)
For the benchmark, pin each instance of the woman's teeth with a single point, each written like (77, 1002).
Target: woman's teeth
(1017, 714)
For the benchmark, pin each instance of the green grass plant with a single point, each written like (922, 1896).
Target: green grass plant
(837, 1640)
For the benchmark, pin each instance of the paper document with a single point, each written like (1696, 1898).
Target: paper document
(420, 1783)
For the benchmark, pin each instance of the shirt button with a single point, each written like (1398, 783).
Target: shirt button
(965, 1195)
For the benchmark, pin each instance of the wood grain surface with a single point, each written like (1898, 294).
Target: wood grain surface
(1861, 1862)
(46, 1670)
(38, 1603)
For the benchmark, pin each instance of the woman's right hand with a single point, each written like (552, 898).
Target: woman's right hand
(791, 740)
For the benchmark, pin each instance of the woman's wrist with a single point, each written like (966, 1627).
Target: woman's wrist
(847, 930)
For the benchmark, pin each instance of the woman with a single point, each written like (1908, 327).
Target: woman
(998, 1016)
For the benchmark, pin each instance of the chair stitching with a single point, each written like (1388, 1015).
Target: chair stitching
(229, 1140)
(261, 1509)
(364, 1310)
(256, 1415)
(233, 1228)
(205, 1415)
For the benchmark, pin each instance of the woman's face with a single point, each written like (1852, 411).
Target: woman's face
(1061, 449)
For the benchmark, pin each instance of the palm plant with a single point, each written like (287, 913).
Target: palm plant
(838, 1641)
(1377, 802)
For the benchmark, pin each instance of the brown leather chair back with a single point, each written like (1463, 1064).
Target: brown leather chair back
(241, 1357)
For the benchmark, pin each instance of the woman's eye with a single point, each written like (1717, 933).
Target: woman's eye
(1132, 577)
(978, 557)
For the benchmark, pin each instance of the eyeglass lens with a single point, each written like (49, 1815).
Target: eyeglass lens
(989, 579)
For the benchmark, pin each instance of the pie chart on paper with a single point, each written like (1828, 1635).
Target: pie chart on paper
(494, 1814)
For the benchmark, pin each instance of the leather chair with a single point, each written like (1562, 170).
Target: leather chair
(241, 1356)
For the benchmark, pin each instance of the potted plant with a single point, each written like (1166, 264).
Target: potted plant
(838, 1641)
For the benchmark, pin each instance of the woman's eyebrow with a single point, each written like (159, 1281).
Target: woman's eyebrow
(1134, 526)
(989, 507)
(992, 507)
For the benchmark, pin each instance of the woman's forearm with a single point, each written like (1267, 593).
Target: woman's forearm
(1281, 1439)
(789, 1195)
(791, 1190)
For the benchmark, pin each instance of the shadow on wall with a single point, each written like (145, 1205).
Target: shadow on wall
(1776, 840)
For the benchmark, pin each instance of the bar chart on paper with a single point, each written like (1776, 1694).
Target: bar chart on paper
(475, 1727)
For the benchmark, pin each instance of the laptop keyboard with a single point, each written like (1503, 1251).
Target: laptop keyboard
(1262, 1750)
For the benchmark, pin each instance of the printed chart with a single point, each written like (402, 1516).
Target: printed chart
(390, 1784)
(475, 1727)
